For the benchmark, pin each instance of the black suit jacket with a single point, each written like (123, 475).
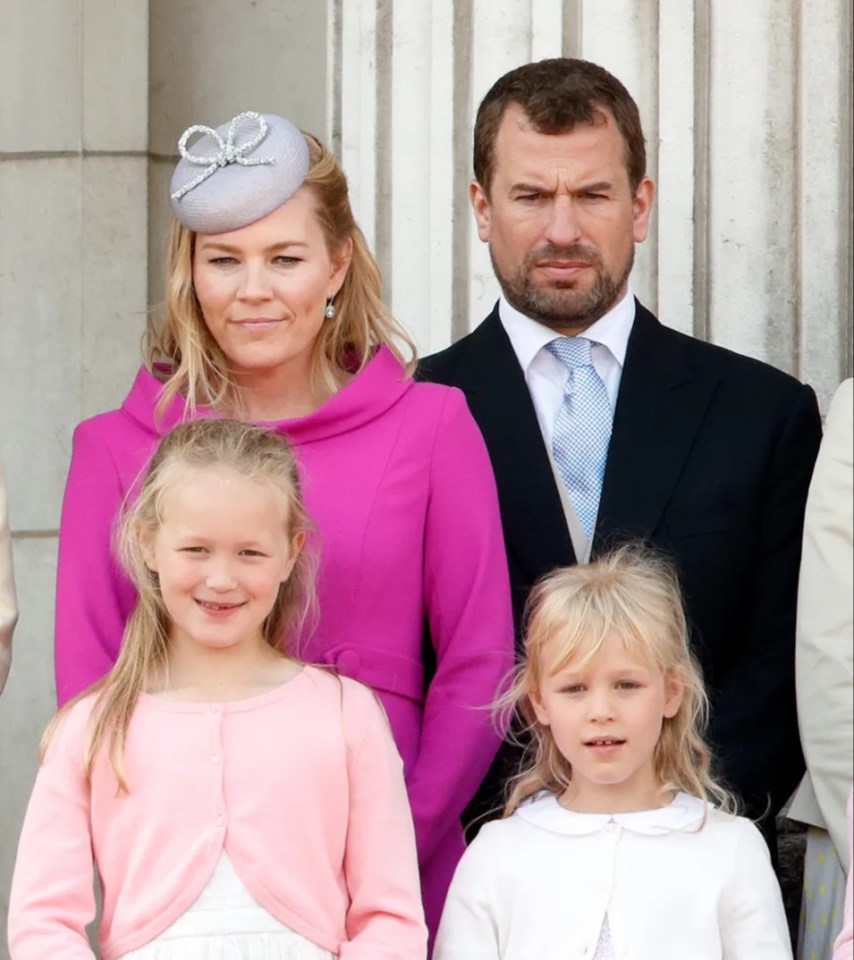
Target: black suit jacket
(710, 458)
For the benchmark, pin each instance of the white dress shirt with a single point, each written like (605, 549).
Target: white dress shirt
(546, 376)
(540, 883)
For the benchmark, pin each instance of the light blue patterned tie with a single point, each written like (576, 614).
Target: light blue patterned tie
(583, 428)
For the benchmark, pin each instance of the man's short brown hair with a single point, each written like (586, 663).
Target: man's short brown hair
(555, 96)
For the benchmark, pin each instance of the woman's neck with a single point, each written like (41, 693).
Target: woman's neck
(270, 395)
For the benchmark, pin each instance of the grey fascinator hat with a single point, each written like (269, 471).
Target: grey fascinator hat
(238, 173)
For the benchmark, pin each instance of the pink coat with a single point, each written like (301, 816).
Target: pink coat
(315, 822)
(398, 481)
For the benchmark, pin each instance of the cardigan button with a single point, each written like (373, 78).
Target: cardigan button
(220, 821)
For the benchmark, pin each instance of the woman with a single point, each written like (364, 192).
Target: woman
(273, 314)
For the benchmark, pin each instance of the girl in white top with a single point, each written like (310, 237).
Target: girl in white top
(616, 842)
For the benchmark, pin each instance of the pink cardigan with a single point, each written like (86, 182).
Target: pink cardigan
(302, 786)
(398, 481)
(844, 949)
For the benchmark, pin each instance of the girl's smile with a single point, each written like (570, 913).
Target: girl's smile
(219, 610)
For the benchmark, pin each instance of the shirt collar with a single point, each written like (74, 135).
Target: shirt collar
(528, 337)
(682, 813)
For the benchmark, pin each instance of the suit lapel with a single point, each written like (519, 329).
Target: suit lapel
(660, 408)
(532, 514)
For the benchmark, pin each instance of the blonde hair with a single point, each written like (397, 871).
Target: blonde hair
(252, 452)
(633, 594)
(180, 350)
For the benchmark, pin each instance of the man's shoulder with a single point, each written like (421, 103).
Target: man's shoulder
(445, 365)
(695, 354)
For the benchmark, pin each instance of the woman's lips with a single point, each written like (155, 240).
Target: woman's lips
(257, 323)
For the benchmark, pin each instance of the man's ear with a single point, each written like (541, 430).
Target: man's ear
(480, 206)
(642, 208)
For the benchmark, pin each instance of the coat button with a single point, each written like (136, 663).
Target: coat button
(348, 663)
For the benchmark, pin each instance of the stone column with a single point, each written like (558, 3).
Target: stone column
(747, 114)
(73, 202)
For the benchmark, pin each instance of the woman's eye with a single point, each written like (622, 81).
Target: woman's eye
(286, 261)
(222, 261)
(193, 550)
(252, 553)
(574, 688)
(628, 685)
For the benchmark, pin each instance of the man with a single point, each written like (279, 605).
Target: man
(603, 425)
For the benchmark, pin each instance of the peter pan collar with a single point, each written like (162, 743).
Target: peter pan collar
(682, 813)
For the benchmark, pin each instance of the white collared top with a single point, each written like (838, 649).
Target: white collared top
(671, 883)
(546, 376)
(682, 813)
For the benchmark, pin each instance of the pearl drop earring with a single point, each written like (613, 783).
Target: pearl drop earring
(329, 312)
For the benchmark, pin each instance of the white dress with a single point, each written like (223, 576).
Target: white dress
(604, 948)
(226, 923)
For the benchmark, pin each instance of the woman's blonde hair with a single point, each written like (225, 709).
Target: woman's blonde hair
(180, 350)
(252, 452)
(632, 594)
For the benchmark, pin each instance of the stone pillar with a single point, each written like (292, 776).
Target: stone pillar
(73, 141)
(747, 114)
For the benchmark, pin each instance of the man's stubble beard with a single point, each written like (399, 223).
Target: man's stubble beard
(559, 306)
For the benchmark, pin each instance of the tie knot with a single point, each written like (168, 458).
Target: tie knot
(572, 351)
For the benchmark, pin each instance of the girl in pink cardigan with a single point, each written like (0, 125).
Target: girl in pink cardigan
(233, 801)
